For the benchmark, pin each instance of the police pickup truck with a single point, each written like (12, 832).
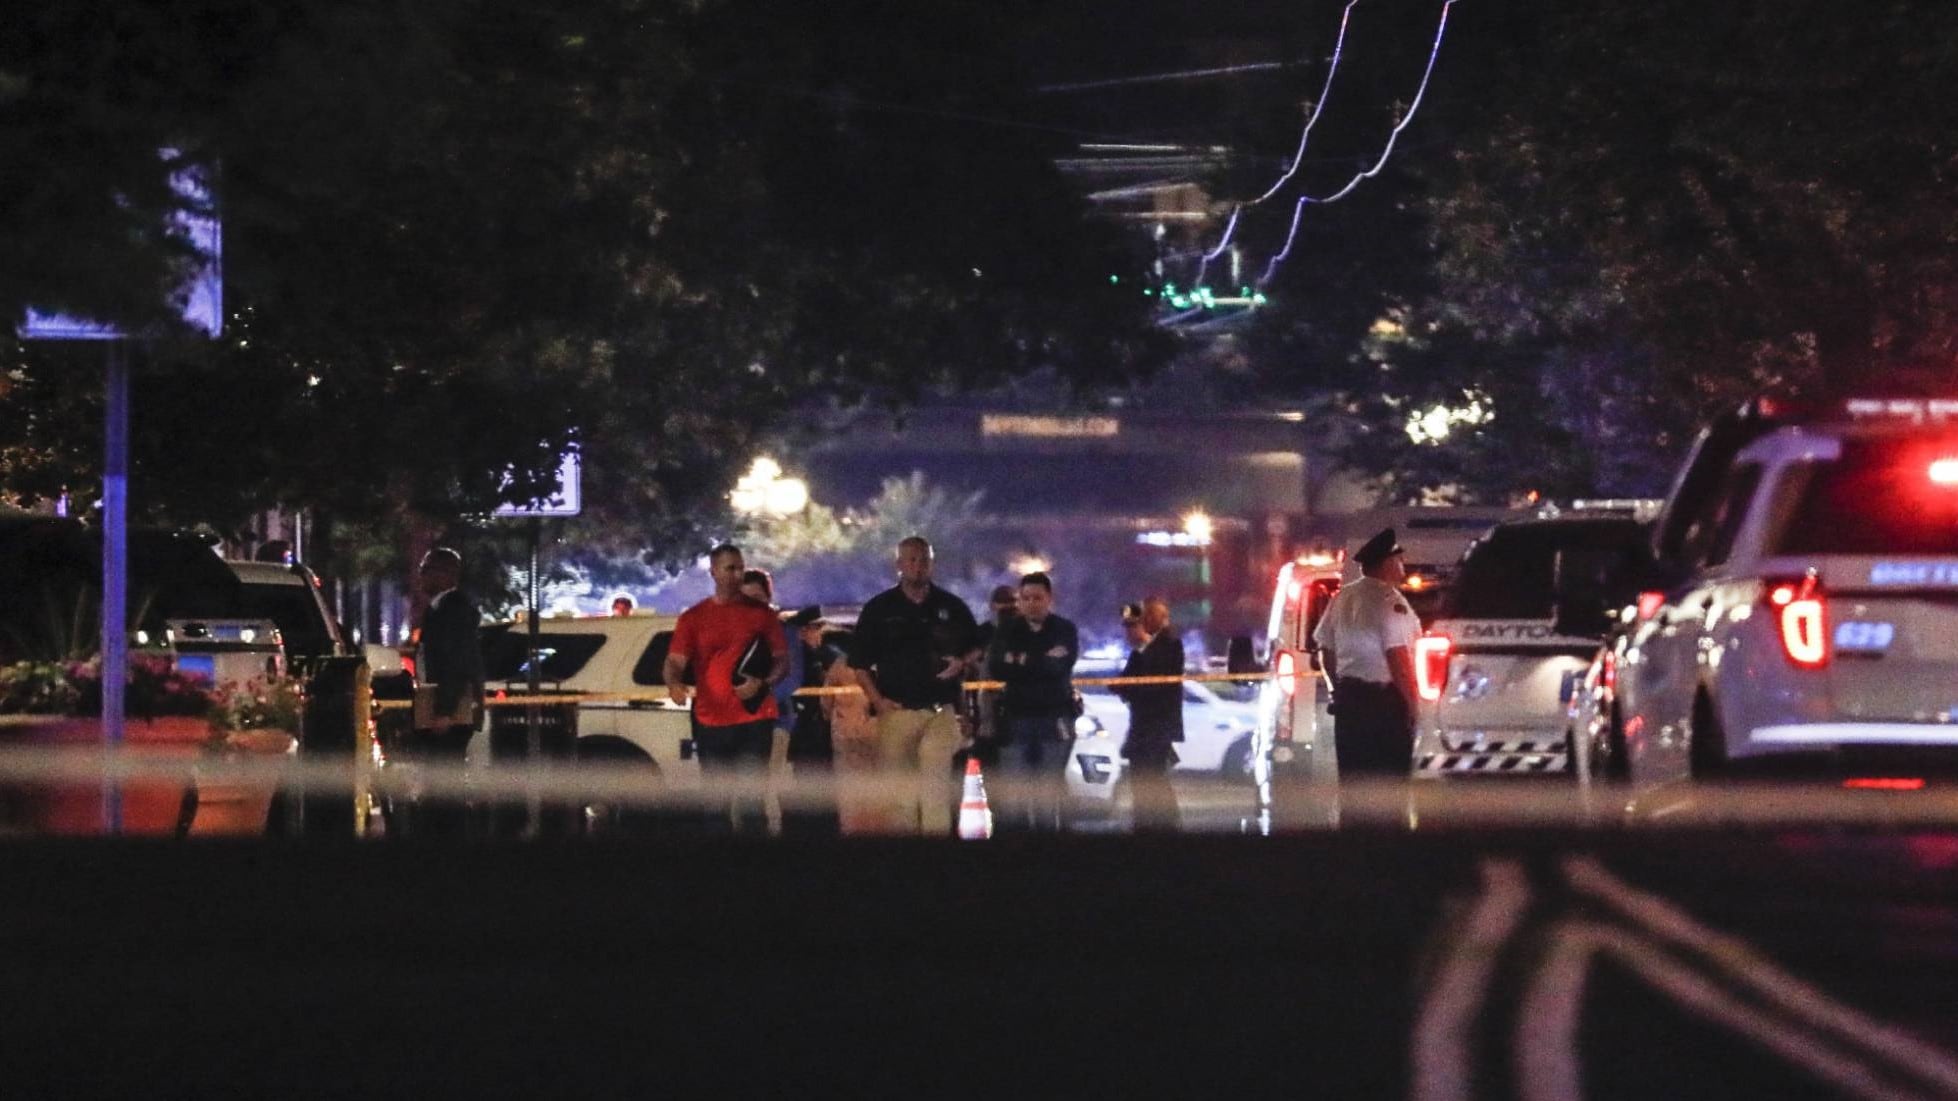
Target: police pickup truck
(1531, 603)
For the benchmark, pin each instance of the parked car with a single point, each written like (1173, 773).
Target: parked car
(1217, 733)
(1802, 616)
(616, 655)
(1532, 603)
(289, 595)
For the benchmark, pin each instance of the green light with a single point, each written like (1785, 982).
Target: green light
(1114, 279)
(1258, 299)
(1148, 292)
(1169, 288)
(1179, 302)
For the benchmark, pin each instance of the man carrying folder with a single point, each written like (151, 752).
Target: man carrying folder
(738, 652)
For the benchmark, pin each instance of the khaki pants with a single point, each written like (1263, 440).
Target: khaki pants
(920, 742)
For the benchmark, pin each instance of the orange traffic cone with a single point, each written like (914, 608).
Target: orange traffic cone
(975, 817)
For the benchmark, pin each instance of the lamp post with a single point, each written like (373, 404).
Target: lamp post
(1197, 525)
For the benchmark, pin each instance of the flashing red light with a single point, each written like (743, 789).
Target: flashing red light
(1885, 783)
(1288, 672)
(1431, 664)
(1944, 472)
(1780, 595)
(1649, 603)
(1292, 592)
(1608, 674)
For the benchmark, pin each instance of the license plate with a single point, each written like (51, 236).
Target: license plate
(1858, 636)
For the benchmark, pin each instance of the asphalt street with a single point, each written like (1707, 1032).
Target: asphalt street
(1433, 965)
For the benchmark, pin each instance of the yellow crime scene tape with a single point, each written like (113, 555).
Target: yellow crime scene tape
(655, 696)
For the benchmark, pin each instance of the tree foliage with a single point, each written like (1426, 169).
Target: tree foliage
(1636, 214)
(461, 235)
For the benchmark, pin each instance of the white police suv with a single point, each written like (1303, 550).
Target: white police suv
(1531, 603)
(1804, 616)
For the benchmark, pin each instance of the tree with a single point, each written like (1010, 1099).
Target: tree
(461, 236)
(1637, 215)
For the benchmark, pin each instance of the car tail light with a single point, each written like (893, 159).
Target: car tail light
(1288, 672)
(1944, 472)
(1801, 619)
(1608, 671)
(1431, 664)
(1884, 783)
(1649, 603)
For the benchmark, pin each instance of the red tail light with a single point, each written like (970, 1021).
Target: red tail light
(1801, 619)
(1288, 672)
(1884, 783)
(1944, 472)
(1649, 603)
(1431, 664)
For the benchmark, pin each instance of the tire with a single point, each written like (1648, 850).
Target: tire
(1706, 748)
(605, 820)
(1237, 760)
(1616, 756)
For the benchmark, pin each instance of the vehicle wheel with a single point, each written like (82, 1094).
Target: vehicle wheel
(605, 819)
(1237, 760)
(1706, 747)
(1615, 756)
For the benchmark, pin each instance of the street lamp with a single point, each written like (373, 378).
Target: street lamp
(1197, 525)
(764, 491)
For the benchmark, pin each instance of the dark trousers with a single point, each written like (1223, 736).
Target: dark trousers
(1373, 734)
(738, 752)
(1036, 759)
(443, 814)
(1150, 793)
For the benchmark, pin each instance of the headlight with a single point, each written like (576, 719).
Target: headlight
(1087, 726)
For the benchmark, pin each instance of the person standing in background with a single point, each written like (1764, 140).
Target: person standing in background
(1034, 653)
(1155, 717)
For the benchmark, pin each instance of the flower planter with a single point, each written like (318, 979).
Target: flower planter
(235, 808)
(75, 809)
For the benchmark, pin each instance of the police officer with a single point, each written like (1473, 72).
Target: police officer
(1367, 641)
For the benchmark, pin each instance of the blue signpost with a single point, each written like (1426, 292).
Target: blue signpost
(203, 308)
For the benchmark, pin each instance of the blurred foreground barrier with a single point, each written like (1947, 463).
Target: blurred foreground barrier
(514, 699)
(1292, 806)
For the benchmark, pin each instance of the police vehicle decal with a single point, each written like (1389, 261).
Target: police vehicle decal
(1914, 573)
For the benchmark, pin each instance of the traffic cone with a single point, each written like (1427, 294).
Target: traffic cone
(975, 817)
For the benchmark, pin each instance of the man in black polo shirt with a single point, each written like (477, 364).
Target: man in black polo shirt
(913, 644)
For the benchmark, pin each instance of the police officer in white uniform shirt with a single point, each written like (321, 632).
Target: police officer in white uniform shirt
(1366, 639)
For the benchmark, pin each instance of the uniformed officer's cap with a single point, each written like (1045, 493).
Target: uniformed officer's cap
(1378, 549)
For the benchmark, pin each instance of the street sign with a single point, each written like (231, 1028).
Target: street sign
(566, 500)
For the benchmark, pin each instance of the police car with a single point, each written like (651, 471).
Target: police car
(1803, 616)
(622, 656)
(1497, 669)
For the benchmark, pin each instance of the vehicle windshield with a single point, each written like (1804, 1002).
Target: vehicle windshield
(1878, 498)
(1512, 573)
(295, 611)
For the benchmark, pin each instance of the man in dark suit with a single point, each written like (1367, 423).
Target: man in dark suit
(449, 659)
(1155, 718)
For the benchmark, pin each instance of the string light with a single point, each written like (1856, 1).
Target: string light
(1441, 29)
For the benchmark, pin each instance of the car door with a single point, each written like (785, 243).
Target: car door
(1663, 670)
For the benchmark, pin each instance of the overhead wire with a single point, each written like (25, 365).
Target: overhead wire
(1414, 105)
(1298, 157)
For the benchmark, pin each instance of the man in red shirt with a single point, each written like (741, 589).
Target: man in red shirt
(733, 708)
